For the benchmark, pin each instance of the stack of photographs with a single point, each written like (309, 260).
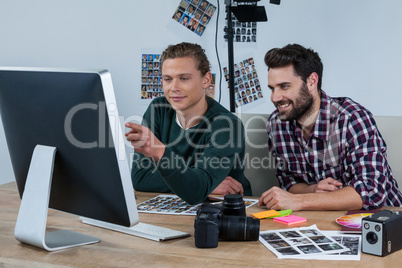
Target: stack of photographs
(246, 83)
(151, 79)
(195, 15)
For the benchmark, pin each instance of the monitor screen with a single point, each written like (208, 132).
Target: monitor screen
(74, 111)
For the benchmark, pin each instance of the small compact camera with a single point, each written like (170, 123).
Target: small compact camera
(381, 233)
(226, 222)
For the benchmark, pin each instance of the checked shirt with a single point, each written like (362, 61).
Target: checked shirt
(344, 144)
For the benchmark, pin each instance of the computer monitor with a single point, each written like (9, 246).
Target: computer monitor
(67, 150)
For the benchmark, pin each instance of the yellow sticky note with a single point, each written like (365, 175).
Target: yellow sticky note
(265, 214)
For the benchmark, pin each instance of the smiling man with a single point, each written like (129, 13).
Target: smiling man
(188, 144)
(329, 152)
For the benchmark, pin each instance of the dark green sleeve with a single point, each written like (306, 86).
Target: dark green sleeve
(195, 183)
(144, 174)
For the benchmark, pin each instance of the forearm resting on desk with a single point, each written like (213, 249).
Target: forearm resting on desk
(343, 199)
(327, 185)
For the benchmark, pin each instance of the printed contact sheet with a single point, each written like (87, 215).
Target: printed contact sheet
(307, 243)
(246, 83)
(172, 204)
(151, 77)
(195, 15)
(243, 32)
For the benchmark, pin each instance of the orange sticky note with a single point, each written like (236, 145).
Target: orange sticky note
(290, 220)
(265, 214)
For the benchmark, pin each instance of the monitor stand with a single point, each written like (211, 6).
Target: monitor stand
(32, 216)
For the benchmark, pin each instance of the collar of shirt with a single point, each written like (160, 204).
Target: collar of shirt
(329, 111)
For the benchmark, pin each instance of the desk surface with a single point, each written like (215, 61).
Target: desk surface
(121, 250)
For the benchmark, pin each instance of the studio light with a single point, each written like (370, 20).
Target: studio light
(244, 11)
(248, 11)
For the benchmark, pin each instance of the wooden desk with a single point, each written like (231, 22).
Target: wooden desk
(121, 250)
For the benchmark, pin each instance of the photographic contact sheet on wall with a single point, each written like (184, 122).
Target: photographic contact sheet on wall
(243, 32)
(151, 77)
(195, 15)
(247, 86)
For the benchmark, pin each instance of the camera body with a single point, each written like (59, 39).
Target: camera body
(226, 222)
(381, 233)
(206, 226)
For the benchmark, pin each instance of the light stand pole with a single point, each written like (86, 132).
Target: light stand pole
(245, 11)
(229, 36)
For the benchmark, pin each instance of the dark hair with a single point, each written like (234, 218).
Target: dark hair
(188, 50)
(304, 60)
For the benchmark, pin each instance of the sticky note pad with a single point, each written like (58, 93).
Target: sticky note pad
(265, 214)
(282, 213)
(290, 220)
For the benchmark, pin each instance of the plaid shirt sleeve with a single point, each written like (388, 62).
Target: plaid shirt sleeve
(367, 164)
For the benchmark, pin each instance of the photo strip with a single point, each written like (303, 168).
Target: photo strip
(195, 15)
(246, 83)
(211, 89)
(151, 79)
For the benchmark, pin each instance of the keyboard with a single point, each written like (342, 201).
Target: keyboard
(141, 229)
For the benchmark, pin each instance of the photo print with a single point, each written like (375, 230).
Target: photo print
(244, 32)
(195, 15)
(303, 243)
(350, 241)
(246, 83)
(210, 92)
(151, 79)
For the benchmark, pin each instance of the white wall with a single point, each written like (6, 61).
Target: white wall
(359, 42)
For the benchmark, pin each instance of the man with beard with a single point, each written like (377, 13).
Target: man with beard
(328, 151)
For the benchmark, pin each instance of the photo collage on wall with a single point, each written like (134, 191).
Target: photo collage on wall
(151, 79)
(195, 15)
(244, 31)
(246, 83)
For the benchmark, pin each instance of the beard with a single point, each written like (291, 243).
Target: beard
(301, 108)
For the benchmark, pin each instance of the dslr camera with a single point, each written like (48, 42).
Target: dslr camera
(381, 233)
(227, 221)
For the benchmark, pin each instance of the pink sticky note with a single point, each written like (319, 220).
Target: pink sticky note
(290, 220)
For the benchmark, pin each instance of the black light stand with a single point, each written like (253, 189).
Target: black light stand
(229, 37)
(245, 11)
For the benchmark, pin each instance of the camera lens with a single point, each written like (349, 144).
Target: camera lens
(233, 204)
(239, 228)
(371, 237)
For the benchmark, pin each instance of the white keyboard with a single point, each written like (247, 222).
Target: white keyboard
(141, 229)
